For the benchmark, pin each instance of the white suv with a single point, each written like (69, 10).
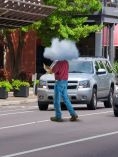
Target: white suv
(90, 79)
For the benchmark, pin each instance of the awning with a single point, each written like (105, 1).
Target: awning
(17, 13)
(106, 36)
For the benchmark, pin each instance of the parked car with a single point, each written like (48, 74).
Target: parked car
(115, 104)
(90, 79)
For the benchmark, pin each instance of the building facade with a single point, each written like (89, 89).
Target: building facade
(103, 43)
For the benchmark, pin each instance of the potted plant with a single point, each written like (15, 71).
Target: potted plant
(21, 88)
(5, 87)
(21, 84)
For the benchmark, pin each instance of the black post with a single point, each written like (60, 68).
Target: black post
(104, 2)
(111, 43)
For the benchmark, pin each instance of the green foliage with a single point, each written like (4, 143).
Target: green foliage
(64, 22)
(36, 83)
(16, 84)
(6, 84)
(81, 6)
(115, 67)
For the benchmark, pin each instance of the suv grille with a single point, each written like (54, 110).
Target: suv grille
(71, 84)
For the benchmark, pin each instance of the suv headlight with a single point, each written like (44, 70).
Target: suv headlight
(84, 84)
(116, 88)
(42, 84)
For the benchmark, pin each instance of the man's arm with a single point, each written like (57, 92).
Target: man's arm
(47, 68)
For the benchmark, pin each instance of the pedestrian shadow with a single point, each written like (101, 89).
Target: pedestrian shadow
(78, 109)
(67, 120)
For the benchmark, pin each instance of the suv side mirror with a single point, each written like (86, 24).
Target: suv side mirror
(101, 71)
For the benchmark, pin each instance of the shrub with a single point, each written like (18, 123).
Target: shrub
(16, 84)
(115, 67)
(3, 74)
(6, 84)
(37, 82)
(25, 76)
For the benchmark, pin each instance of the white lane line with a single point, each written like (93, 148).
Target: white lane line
(90, 114)
(96, 113)
(6, 114)
(61, 144)
(12, 111)
(47, 120)
(24, 124)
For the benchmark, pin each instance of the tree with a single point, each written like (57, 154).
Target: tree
(61, 24)
(64, 23)
(15, 54)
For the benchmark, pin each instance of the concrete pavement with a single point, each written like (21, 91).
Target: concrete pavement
(28, 132)
(11, 100)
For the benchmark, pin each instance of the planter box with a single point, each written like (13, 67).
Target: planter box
(23, 92)
(3, 93)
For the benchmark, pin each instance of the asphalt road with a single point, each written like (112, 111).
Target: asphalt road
(27, 132)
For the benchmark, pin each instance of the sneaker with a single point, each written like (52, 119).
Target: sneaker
(74, 118)
(55, 119)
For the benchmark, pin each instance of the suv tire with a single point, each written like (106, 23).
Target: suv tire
(63, 106)
(42, 106)
(93, 103)
(109, 102)
(116, 112)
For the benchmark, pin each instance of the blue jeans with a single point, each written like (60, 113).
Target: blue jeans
(60, 90)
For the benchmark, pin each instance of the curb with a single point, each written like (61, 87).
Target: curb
(17, 102)
(11, 100)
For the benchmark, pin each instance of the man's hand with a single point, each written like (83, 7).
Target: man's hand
(47, 68)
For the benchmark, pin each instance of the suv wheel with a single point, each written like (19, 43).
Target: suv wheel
(42, 106)
(63, 106)
(93, 103)
(116, 112)
(109, 102)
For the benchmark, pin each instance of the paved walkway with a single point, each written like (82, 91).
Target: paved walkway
(11, 100)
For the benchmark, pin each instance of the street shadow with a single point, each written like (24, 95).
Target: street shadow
(77, 108)
(68, 120)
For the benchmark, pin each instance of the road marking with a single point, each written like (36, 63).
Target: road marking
(96, 113)
(61, 144)
(47, 120)
(24, 124)
(13, 110)
(5, 114)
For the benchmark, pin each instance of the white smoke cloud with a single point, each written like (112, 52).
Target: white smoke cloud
(60, 50)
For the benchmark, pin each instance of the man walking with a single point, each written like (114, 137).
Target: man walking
(60, 70)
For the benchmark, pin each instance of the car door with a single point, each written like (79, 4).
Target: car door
(110, 76)
(98, 79)
(104, 79)
(101, 79)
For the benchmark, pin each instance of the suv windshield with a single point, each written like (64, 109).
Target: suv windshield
(77, 66)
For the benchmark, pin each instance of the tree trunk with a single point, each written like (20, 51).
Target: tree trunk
(11, 51)
(15, 55)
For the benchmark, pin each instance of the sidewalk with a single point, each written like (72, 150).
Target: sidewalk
(11, 100)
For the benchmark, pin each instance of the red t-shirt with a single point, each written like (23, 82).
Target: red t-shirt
(60, 69)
